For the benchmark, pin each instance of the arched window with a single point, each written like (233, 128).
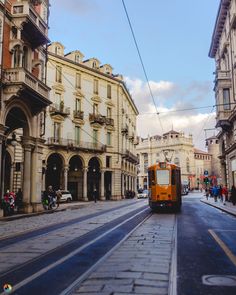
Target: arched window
(176, 161)
(94, 65)
(58, 50)
(25, 58)
(187, 165)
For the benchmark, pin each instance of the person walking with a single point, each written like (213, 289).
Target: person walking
(233, 195)
(95, 195)
(215, 192)
(19, 199)
(224, 194)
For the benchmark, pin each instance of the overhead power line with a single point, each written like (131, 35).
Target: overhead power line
(142, 63)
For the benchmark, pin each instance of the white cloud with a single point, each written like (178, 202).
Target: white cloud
(181, 115)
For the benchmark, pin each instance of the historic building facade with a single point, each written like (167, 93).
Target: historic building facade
(90, 128)
(24, 96)
(172, 146)
(222, 49)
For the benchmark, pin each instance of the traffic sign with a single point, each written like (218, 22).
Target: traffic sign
(205, 172)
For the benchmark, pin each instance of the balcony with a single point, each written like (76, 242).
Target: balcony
(124, 129)
(78, 115)
(59, 109)
(109, 122)
(222, 120)
(71, 144)
(97, 118)
(130, 157)
(35, 29)
(223, 77)
(21, 83)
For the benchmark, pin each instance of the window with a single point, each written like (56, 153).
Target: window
(77, 134)
(58, 74)
(57, 132)
(58, 99)
(162, 177)
(108, 112)
(95, 86)
(151, 178)
(108, 91)
(18, 9)
(108, 161)
(108, 138)
(226, 99)
(187, 165)
(78, 80)
(25, 58)
(77, 58)
(95, 109)
(176, 161)
(78, 105)
(94, 65)
(58, 50)
(95, 137)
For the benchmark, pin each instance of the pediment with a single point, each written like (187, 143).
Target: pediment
(59, 87)
(78, 93)
(96, 98)
(109, 103)
(58, 118)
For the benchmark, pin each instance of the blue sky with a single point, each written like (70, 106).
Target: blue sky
(174, 39)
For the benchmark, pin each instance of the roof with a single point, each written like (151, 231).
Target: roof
(171, 132)
(197, 151)
(219, 26)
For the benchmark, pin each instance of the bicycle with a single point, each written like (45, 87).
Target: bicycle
(49, 203)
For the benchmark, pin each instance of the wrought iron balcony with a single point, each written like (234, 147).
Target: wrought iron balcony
(27, 87)
(55, 109)
(97, 118)
(35, 29)
(75, 145)
(78, 115)
(126, 154)
(125, 129)
(109, 122)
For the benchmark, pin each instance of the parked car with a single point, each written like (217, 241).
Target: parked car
(143, 194)
(66, 196)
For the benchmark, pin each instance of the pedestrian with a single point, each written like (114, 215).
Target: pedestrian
(59, 195)
(224, 194)
(233, 195)
(215, 192)
(207, 193)
(95, 195)
(19, 199)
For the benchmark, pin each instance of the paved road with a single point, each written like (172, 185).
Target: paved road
(206, 247)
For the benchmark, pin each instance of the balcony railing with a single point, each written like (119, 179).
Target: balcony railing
(78, 115)
(129, 156)
(125, 129)
(73, 144)
(22, 76)
(97, 118)
(109, 121)
(59, 109)
(222, 75)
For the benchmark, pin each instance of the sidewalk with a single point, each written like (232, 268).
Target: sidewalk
(228, 207)
(62, 207)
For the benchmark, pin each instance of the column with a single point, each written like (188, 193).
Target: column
(27, 176)
(44, 168)
(102, 197)
(66, 169)
(85, 197)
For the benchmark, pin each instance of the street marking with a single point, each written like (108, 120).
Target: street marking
(49, 267)
(227, 251)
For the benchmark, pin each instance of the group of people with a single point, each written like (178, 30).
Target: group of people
(51, 198)
(222, 193)
(12, 201)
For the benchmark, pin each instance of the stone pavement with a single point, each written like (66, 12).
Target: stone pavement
(228, 207)
(140, 265)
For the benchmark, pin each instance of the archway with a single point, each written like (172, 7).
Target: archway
(94, 177)
(75, 178)
(54, 171)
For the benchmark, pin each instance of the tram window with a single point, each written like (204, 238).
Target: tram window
(151, 178)
(163, 177)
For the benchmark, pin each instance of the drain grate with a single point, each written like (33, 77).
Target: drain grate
(219, 280)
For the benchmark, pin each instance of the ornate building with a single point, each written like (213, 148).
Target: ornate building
(24, 96)
(90, 128)
(222, 49)
(172, 146)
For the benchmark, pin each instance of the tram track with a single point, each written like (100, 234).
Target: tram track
(32, 233)
(53, 271)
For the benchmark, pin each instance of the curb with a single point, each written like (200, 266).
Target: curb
(220, 208)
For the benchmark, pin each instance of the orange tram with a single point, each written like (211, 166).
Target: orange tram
(164, 181)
